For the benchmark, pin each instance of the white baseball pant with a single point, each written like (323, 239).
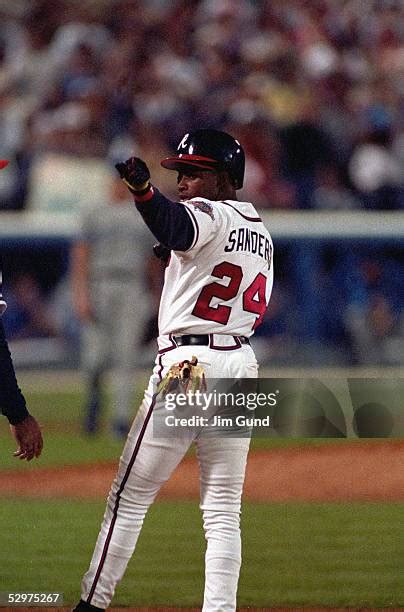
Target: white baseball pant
(147, 462)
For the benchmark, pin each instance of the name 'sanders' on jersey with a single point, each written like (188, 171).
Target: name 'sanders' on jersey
(246, 240)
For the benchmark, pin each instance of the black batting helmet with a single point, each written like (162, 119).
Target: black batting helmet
(209, 150)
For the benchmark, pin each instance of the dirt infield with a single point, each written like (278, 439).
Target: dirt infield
(355, 471)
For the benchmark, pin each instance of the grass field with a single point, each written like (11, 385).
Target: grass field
(60, 414)
(295, 554)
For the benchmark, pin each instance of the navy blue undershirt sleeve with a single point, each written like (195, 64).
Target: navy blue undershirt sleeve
(12, 402)
(168, 221)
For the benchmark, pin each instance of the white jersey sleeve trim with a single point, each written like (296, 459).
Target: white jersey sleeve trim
(255, 219)
(196, 228)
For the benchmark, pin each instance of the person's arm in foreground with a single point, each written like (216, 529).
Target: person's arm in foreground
(23, 426)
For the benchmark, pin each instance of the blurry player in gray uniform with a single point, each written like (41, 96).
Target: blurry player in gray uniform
(112, 300)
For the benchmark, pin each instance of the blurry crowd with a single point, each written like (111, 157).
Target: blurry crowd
(314, 90)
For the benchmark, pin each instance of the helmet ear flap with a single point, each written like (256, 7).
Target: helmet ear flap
(224, 177)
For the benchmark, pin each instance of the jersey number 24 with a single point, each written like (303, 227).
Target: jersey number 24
(254, 300)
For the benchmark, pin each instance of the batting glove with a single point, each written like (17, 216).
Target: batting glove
(183, 377)
(135, 174)
(162, 252)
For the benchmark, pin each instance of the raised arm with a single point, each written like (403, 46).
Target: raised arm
(168, 221)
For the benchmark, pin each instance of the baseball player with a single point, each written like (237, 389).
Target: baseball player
(23, 426)
(217, 286)
(111, 299)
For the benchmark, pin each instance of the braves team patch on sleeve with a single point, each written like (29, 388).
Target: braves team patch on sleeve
(205, 207)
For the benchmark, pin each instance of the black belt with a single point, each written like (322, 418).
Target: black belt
(203, 339)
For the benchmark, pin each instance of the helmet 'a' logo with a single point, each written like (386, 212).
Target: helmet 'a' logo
(183, 143)
(204, 207)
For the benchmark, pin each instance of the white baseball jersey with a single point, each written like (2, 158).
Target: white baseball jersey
(227, 289)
